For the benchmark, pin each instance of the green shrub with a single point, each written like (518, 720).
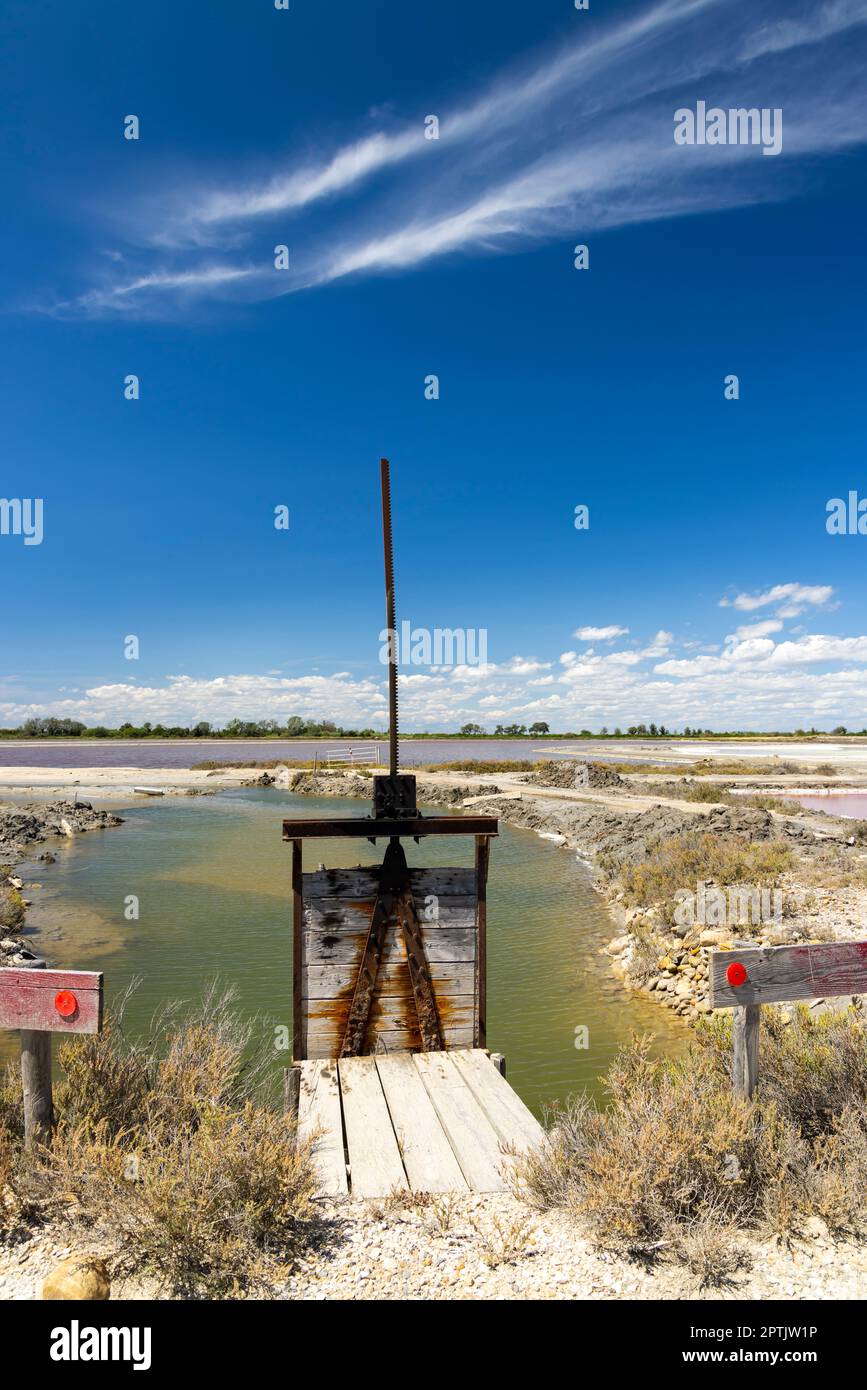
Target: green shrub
(12, 909)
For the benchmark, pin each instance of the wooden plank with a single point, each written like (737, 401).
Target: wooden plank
(339, 914)
(319, 1118)
(363, 882)
(52, 1001)
(360, 827)
(504, 1108)
(327, 1043)
(469, 1131)
(375, 1165)
(775, 974)
(386, 1013)
(445, 945)
(428, 1156)
(328, 981)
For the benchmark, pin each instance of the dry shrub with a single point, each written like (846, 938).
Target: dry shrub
(217, 1208)
(709, 1247)
(813, 1066)
(502, 1240)
(685, 859)
(480, 765)
(674, 1155)
(169, 1152)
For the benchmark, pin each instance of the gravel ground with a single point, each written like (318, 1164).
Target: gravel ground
(492, 1247)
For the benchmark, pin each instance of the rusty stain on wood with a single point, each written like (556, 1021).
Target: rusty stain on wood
(336, 911)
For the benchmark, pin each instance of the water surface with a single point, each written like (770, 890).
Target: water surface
(212, 877)
(852, 805)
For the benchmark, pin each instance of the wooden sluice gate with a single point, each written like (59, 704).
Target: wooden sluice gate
(391, 1076)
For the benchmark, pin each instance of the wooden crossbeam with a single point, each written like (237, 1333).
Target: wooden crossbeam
(51, 1001)
(777, 974)
(357, 827)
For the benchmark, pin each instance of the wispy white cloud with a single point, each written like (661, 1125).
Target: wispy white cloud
(577, 139)
(814, 24)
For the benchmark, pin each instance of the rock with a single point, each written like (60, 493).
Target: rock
(778, 936)
(78, 1277)
(713, 936)
(618, 946)
(815, 1227)
(573, 775)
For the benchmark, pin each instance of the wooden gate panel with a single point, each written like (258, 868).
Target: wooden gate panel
(334, 919)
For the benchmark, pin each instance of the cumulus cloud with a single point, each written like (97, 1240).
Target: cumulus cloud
(763, 629)
(599, 634)
(660, 644)
(792, 598)
(751, 681)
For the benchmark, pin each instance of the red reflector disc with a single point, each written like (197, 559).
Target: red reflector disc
(736, 973)
(66, 1003)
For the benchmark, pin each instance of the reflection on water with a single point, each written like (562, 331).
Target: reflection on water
(212, 880)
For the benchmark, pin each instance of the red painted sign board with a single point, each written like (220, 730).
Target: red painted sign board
(51, 1001)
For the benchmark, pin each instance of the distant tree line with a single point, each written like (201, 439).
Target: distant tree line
(297, 727)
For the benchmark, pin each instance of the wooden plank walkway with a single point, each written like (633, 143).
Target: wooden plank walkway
(423, 1122)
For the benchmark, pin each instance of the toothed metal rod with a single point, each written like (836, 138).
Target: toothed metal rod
(390, 620)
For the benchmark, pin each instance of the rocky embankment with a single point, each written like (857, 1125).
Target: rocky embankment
(651, 952)
(22, 829)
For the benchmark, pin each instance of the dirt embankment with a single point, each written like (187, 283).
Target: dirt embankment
(22, 828)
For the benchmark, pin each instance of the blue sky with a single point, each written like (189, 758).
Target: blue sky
(706, 590)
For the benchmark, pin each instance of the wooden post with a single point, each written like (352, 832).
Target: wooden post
(483, 848)
(291, 1090)
(299, 1040)
(745, 1054)
(36, 1080)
